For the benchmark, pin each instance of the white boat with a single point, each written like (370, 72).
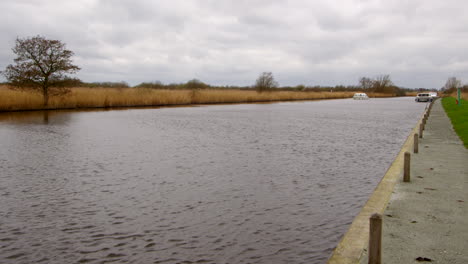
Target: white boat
(360, 96)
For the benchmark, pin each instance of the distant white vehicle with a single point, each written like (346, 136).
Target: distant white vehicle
(433, 95)
(360, 96)
(424, 97)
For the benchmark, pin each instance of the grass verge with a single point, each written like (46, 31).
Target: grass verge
(458, 114)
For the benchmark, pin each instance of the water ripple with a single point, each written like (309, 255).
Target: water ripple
(268, 183)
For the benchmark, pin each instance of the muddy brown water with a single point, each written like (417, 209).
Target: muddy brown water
(254, 183)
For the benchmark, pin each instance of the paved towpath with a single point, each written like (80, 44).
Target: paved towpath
(426, 220)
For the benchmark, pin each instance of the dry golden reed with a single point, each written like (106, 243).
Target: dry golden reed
(80, 97)
(464, 95)
(411, 93)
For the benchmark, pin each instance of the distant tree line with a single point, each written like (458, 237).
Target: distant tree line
(380, 84)
(266, 82)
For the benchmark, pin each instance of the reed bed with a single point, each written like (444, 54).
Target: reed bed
(411, 93)
(80, 97)
(463, 95)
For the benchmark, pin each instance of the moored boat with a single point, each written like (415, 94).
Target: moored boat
(360, 96)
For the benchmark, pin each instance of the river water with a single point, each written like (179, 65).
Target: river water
(250, 183)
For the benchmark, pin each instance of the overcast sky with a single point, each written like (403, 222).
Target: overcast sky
(419, 43)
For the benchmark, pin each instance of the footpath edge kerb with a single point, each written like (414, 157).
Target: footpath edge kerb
(352, 245)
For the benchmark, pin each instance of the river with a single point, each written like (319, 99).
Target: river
(247, 183)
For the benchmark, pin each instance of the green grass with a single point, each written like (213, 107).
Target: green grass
(459, 116)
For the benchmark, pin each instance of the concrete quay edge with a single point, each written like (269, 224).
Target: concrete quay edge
(352, 245)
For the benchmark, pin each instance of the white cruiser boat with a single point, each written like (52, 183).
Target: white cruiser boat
(360, 96)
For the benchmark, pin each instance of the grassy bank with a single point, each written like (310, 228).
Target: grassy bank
(458, 114)
(79, 97)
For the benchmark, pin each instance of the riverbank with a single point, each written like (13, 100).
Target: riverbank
(80, 97)
(352, 245)
(426, 218)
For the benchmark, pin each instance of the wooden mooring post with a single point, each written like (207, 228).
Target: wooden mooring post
(375, 239)
(406, 167)
(415, 143)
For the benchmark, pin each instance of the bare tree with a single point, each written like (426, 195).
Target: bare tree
(265, 81)
(452, 84)
(366, 83)
(41, 65)
(382, 84)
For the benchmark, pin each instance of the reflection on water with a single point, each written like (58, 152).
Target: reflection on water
(45, 117)
(34, 117)
(267, 183)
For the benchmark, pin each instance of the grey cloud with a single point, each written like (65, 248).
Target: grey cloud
(420, 43)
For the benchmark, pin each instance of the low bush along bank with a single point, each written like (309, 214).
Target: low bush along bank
(458, 114)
